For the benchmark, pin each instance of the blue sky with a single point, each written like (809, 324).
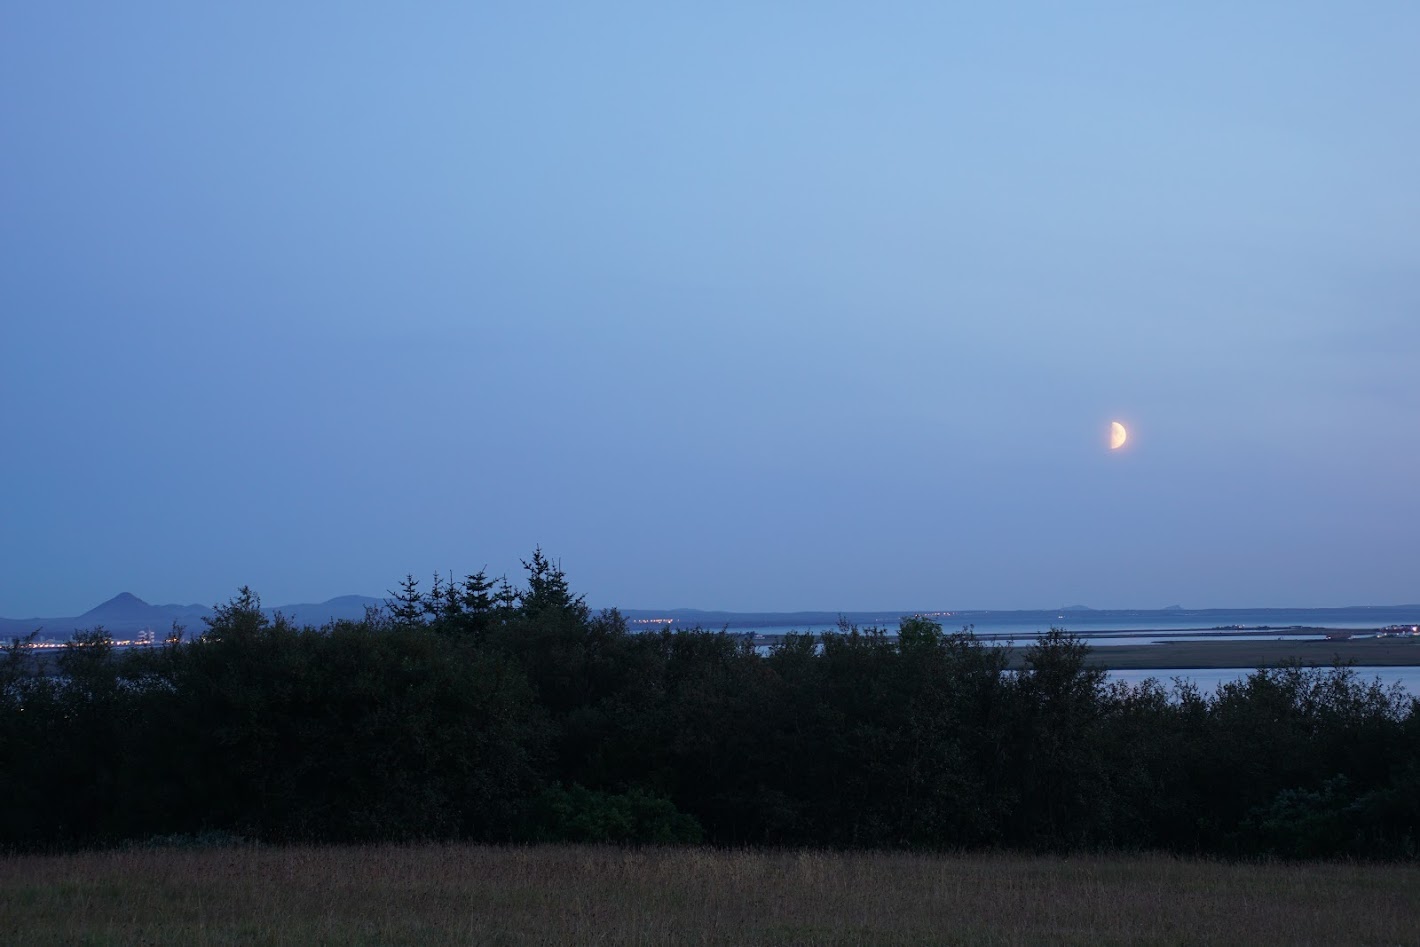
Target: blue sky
(764, 306)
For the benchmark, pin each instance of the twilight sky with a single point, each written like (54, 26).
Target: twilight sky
(739, 305)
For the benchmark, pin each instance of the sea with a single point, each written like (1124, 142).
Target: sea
(1089, 623)
(1138, 627)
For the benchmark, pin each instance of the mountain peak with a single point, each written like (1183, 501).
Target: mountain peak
(122, 604)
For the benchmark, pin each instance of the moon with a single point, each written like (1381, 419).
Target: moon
(1117, 435)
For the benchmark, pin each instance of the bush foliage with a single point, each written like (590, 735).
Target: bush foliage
(484, 711)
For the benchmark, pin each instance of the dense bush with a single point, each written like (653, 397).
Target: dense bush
(480, 710)
(583, 815)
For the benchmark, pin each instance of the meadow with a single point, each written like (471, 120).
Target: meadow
(457, 894)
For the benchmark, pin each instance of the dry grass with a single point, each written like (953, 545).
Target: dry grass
(458, 894)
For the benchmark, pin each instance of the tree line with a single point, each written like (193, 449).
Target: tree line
(482, 710)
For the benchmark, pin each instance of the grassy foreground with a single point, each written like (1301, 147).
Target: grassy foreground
(458, 894)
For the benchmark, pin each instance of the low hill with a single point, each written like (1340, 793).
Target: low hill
(126, 613)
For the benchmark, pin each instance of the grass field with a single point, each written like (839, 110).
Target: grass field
(458, 894)
(1379, 652)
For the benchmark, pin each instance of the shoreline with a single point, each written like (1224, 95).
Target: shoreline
(1208, 655)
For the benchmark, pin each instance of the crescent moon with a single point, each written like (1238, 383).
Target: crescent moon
(1117, 435)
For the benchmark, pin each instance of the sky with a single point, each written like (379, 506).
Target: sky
(739, 306)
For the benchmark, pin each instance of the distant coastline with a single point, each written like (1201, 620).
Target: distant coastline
(126, 614)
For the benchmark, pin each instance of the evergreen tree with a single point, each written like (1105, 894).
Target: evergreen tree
(406, 607)
(477, 593)
(240, 617)
(547, 593)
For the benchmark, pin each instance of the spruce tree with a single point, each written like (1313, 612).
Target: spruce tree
(406, 607)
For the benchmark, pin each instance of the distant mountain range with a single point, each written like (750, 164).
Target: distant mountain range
(125, 614)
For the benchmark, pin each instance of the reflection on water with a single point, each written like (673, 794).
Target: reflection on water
(1028, 631)
(1097, 640)
(1100, 641)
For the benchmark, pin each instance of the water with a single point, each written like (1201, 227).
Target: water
(1099, 629)
(1096, 641)
(1121, 627)
(1209, 679)
(1088, 623)
(1025, 639)
(1026, 630)
(1105, 640)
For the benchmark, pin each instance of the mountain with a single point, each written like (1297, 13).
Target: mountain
(126, 608)
(122, 605)
(126, 613)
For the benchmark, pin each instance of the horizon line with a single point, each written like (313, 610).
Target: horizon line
(942, 612)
